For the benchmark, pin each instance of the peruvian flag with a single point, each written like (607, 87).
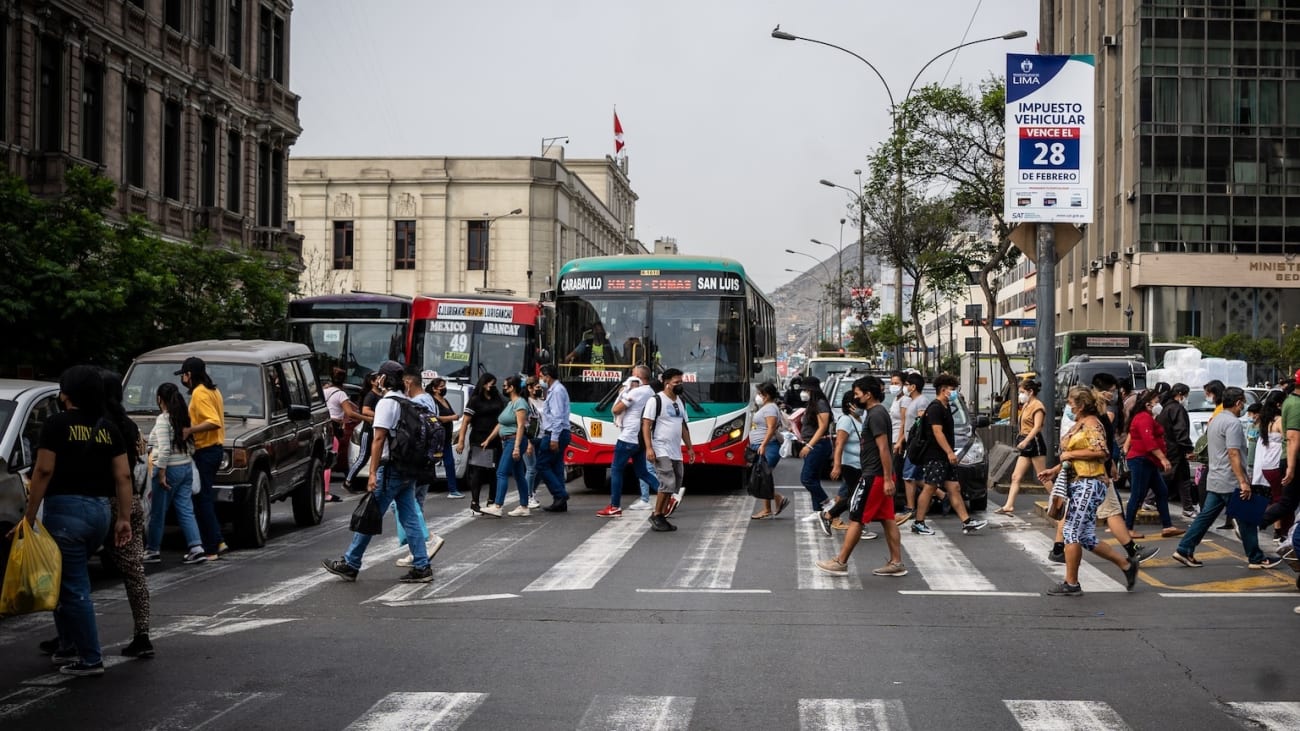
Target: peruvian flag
(618, 136)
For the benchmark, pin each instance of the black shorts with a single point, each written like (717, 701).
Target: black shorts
(1037, 446)
(938, 471)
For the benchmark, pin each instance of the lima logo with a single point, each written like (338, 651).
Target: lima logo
(1026, 77)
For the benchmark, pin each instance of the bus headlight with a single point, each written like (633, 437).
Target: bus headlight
(732, 429)
(576, 430)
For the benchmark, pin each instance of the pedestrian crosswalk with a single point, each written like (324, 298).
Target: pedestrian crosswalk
(450, 710)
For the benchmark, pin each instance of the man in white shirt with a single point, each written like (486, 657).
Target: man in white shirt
(629, 406)
(663, 429)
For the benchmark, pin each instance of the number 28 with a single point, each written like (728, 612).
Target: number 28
(1053, 154)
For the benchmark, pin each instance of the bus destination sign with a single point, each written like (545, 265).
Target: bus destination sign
(652, 280)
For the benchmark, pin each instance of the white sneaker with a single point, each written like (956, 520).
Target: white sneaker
(493, 510)
(433, 545)
(639, 505)
(533, 504)
(520, 512)
(405, 561)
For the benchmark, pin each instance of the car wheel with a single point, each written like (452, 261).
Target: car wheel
(253, 520)
(593, 478)
(309, 498)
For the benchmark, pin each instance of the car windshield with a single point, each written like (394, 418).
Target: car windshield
(823, 368)
(956, 405)
(7, 409)
(240, 386)
(1196, 401)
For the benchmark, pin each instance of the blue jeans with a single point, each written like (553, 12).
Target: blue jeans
(421, 491)
(812, 468)
(1214, 504)
(530, 470)
(622, 453)
(509, 466)
(180, 481)
(1144, 474)
(773, 453)
(207, 461)
(550, 464)
(79, 525)
(393, 488)
(449, 466)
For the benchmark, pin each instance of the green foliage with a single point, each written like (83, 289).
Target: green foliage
(79, 288)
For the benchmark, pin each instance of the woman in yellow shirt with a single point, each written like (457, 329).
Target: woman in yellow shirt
(208, 430)
(1084, 449)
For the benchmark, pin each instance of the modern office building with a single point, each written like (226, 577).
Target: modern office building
(407, 225)
(1197, 221)
(185, 104)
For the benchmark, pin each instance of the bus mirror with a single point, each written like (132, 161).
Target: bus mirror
(756, 367)
(543, 355)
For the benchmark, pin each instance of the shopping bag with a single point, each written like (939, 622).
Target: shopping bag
(760, 483)
(367, 518)
(33, 573)
(1059, 499)
(1249, 512)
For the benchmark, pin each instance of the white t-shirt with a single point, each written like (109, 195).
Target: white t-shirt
(634, 400)
(387, 412)
(667, 429)
(896, 411)
(334, 398)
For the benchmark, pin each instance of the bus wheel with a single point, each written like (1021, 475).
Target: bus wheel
(593, 478)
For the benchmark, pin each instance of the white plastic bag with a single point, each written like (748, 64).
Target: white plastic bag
(194, 478)
(787, 445)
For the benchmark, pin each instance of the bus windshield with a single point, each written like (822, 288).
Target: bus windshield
(356, 347)
(600, 337)
(462, 351)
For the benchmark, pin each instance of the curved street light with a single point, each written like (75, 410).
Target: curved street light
(487, 254)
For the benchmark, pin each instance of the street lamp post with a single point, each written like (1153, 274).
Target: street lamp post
(817, 324)
(487, 252)
(822, 264)
(894, 110)
(839, 282)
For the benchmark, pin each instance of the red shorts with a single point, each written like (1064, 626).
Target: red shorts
(869, 501)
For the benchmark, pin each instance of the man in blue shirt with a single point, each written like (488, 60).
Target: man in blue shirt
(553, 440)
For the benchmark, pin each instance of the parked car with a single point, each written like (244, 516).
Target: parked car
(1083, 368)
(24, 407)
(278, 432)
(1200, 409)
(973, 467)
(455, 397)
(822, 368)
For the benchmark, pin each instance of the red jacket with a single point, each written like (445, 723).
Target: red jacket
(1145, 436)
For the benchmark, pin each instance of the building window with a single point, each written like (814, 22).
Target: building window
(208, 22)
(264, 42)
(133, 134)
(277, 49)
(477, 256)
(234, 159)
(92, 112)
(277, 188)
(342, 244)
(137, 3)
(172, 150)
(404, 245)
(235, 33)
(51, 99)
(174, 14)
(208, 162)
(263, 185)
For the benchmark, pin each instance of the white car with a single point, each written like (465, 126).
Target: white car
(1199, 411)
(24, 407)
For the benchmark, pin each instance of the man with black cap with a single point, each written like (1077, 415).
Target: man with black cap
(388, 485)
(208, 429)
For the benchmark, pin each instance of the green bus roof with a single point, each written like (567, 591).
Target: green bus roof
(664, 263)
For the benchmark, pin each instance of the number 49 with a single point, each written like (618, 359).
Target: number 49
(1053, 154)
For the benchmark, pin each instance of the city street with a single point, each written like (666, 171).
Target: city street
(569, 621)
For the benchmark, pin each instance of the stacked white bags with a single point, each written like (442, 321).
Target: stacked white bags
(1186, 365)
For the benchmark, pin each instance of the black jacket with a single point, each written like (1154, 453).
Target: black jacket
(1178, 429)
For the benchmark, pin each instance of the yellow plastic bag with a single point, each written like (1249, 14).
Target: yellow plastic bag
(33, 573)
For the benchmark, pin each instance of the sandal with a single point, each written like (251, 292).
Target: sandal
(761, 516)
(784, 501)
(1005, 511)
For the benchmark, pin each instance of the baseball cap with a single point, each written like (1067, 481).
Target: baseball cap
(391, 368)
(1297, 375)
(192, 364)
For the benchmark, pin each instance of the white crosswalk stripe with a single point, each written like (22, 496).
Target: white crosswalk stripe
(840, 714)
(1065, 716)
(943, 566)
(587, 564)
(1278, 716)
(1036, 546)
(710, 560)
(811, 546)
(448, 577)
(195, 711)
(419, 711)
(637, 713)
(24, 700)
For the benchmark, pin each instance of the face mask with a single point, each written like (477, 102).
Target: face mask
(677, 390)
(1024, 397)
(803, 396)
(758, 399)
(1155, 410)
(1069, 413)
(895, 390)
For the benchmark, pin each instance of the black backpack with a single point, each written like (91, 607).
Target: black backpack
(417, 440)
(918, 440)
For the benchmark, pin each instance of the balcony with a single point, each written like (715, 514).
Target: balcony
(283, 103)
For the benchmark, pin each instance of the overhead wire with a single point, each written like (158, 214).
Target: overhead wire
(964, 36)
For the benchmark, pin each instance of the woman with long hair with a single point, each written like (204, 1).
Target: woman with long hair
(173, 477)
(510, 430)
(537, 400)
(1268, 457)
(335, 397)
(1031, 443)
(1147, 463)
(362, 410)
(1084, 452)
(765, 439)
(815, 433)
(447, 416)
(476, 426)
(80, 465)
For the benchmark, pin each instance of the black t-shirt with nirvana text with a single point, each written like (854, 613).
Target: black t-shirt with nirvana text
(84, 448)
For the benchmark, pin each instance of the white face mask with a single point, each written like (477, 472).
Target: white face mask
(1024, 397)
(758, 399)
(1155, 410)
(895, 389)
(803, 396)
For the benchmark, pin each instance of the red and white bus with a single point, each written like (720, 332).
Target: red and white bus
(461, 336)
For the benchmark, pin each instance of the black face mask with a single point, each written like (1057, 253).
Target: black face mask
(677, 390)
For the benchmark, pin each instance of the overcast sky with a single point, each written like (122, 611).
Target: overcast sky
(728, 130)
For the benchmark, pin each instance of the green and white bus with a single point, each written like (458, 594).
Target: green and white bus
(701, 315)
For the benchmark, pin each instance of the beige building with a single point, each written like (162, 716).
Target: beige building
(1197, 217)
(408, 225)
(185, 104)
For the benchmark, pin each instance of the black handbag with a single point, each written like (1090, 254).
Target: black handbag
(760, 484)
(367, 518)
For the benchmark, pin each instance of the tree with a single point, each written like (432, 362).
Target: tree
(81, 289)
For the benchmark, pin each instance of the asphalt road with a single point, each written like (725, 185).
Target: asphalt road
(571, 621)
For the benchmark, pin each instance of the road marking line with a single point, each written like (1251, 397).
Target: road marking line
(847, 714)
(811, 546)
(704, 591)
(943, 566)
(428, 711)
(1037, 545)
(58, 678)
(191, 707)
(638, 713)
(1065, 716)
(230, 627)
(1274, 716)
(710, 562)
(450, 576)
(593, 558)
(959, 592)
(24, 699)
(1227, 594)
(450, 600)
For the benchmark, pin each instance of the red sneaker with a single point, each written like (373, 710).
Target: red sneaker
(610, 512)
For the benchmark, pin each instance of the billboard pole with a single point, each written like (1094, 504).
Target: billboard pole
(1045, 291)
